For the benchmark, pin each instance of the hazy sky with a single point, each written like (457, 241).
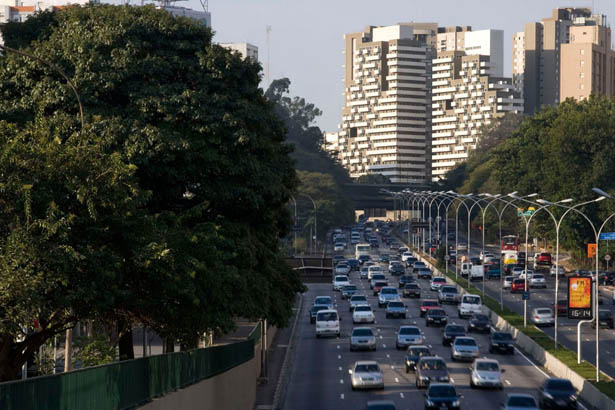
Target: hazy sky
(307, 37)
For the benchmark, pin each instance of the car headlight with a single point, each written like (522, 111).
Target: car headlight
(456, 403)
(424, 378)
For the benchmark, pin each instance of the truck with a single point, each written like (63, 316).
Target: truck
(509, 257)
(477, 272)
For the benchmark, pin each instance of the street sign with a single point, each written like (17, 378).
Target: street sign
(580, 297)
(526, 295)
(607, 257)
(447, 258)
(591, 250)
(607, 236)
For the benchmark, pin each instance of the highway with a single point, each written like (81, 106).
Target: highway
(319, 376)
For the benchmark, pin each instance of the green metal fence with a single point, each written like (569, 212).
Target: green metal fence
(123, 385)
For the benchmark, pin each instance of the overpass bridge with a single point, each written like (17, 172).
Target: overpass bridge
(370, 198)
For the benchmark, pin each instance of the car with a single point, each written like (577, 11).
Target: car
(376, 277)
(393, 246)
(431, 369)
(427, 305)
(374, 270)
(396, 269)
(508, 268)
(436, 317)
(408, 336)
(395, 309)
(437, 282)
(484, 256)
(383, 258)
(423, 273)
(366, 374)
(412, 290)
(519, 401)
(475, 261)
(441, 396)
(517, 270)
(501, 342)
(404, 280)
(464, 348)
(414, 354)
(337, 259)
(557, 394)
(554, 270)
(521, 257)
(353, 263)
(324, 300)
(542, 316)
(479, 322)
(362, 338)
(388, 294)
(402, 250)
(380, 405)
(363, 258)
(411, 261)
(469, 305)
(605, 318)
(507, 282)
(562, 307)
(339, 247)
(518, 285)
(363, 272)
(339, 281)
(526, 272)
(357, 300)
(542, 259)
(314, 311)
(363, 314)
(418, 265)
(486, 373)
(538, 281)
(448, 294)
(342, 268)
(493, 271)
(450, 332)
(378, 286)
(327, 323)
(348, 291)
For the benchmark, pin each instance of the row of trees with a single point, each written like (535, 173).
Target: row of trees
(164, 209)
(560, 152)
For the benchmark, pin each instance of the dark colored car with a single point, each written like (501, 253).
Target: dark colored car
(378, 286)
(414, 354)
(349, 291)
(397, 269)
(423, 273)
(412, 290)
(427, 305)
(441, 396)
(521, 257)
(314, 311)
(405, 279)
(562, 307)
(380, 405)
(431, 369)
(374, 243)
(364, 258)
(354, 264)
(605, 318)
(501, 342)
(476, 261)
(450, 332)
(383, 258)
(557, 394)
(436, 317)
(479, 323)
(411, 261)
(508, 268)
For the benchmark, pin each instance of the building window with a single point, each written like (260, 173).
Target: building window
(582, 51)
(581, 86)
(582, 63)
(581, 75)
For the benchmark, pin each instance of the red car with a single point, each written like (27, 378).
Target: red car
(428, 304)
(518, 285)
(544, 259)
(562, 307)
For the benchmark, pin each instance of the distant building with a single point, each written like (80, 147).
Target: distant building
(247, 50)
(20, 10)
(481, 42)
(202, 16)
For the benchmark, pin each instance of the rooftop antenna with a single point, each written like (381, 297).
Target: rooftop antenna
(205, 5)
(268, 30)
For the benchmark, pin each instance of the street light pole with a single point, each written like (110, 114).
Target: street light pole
(315, 223)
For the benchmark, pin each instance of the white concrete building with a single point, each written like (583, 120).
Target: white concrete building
(247, 50)
(480, 42)
(518, 61)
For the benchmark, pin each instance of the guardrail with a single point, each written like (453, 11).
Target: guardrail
(313, 269)
(123, 385)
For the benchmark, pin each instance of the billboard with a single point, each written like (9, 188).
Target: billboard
(580, 297)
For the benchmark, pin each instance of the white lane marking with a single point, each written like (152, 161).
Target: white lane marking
(339, 356)
(338, 346)
(339, 368)
(452, 380)
(507, 382)
(381, 336)
(392, 367)
(385, 346)
(388, 356)
(342, 396)
(430, 346)
(341, 381)
(401, 395)
(396, 380)
(532, 363)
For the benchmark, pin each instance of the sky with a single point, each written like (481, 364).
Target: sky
(306, 39)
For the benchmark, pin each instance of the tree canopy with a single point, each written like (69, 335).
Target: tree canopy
(166, 208)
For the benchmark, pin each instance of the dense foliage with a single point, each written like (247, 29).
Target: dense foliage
(165, 209)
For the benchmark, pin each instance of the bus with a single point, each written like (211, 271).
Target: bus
(361, 249)
(510, 243)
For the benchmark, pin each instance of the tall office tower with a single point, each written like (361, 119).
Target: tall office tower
(385, 125)
(481, 42)
(518, 61)
(587, 63)
(539, 64)
(468, 92)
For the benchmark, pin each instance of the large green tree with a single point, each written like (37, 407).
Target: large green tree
(165, 209)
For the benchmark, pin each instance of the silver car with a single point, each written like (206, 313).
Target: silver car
(464, 348)
(518, 401)
(508, 282)
(538, 281)
(363, 314)
(388, 294)
(542, 317)
(362, 338)
(408, 336)
(448, 294)
(357, 300)
(486, 373)
(366, 375)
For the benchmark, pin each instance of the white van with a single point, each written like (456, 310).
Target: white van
(327, 323)
(466, 269)
(477, 272)
(469, 304)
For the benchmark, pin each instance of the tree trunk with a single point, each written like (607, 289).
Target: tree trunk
(125, 341)
(168, 345)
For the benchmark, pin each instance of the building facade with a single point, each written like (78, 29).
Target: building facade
(537, 54)
(468, 93)
(247, 50)
(386, 125)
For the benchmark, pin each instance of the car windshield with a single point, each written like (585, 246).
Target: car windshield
(363, 309)
(322, 301)
(380, 407)
(539, 277)
(389, 291)
(604, 314)
(412, 286)
(461, 341)
(508, 278)
(418, 351)
(342, 265)
(519, 281)
(481, 318)
(560, 385)
(378, 276)
(365, 368)
(521, 401)
(449, 289)
(426, 271)
(455, 329)
(350, 287)
(441, 280)
(430, 303)
(362, 332)
(395, 305)
(341, 279)
(326, 316)
(380, 284)
(436, 312)
(501, 336)
(409, 331)
(473, 300)
(487, 366)
(433, 364)
(543, 311)
(319, 308)
(360, 298)
(442, 391)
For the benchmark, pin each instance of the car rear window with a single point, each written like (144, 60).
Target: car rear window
(433, 364)
(364, 368)
(363, 332)
(395, 305)
(341, 278)
(487, 366)
(462, 341)
(430, 303)
(363, 309)
(326, 316)
(543, 311)
(409, 331)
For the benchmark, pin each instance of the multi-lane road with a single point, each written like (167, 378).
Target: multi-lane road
(319, 374)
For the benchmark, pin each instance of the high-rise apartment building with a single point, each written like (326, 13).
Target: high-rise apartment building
(587, 63)
(385, 125)
(481, 42)
(468, 92)
(537, 54)
(247, 50)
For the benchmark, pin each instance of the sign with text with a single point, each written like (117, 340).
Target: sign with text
(607, 236)
(591, 250)
(580, 297)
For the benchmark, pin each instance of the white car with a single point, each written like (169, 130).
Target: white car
(485, 256)
(405, 256)
(338, 247)
(542, 316)
(363, 314)
(469, 305)
(366, 375)
(437, 282)
(561, 271)
(516, 271)
(486, 373)
(327, 323)
(377, 277)
(388, 294)
(529, 273)
(508, 282)
(340, 281)
(374, 269)
(538, 281)
(342, 268)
